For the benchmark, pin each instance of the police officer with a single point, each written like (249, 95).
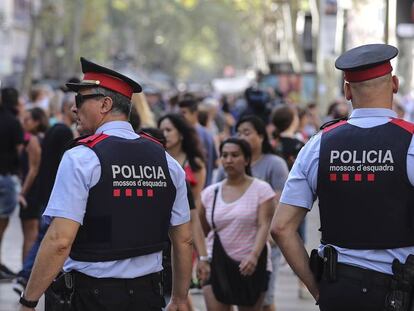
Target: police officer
(116, 197)
(362, 172)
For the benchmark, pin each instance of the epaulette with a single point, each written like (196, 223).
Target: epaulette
(152, 138)
(332, 122)
(87, 140)
(408, 126)
(75, 142)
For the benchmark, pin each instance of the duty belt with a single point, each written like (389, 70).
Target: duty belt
(363, 275)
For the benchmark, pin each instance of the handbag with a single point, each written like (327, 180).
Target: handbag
(229, 286)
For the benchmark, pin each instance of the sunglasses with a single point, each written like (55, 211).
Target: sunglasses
(80, 99)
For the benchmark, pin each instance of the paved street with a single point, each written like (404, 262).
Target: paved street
(286, 291)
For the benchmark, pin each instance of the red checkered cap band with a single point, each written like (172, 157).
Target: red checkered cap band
(110, 82)
(368, 74)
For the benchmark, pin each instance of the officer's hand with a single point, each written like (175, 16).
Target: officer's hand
(248, 265)
(315, 295)
(177, 306)
(203, 271)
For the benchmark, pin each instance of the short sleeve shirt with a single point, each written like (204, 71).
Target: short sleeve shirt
(236, 222)
(80, 169)
(300, 190)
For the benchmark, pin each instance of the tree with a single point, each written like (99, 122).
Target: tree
(185, 38)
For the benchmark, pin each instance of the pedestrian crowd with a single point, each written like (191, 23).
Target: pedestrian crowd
(235, 152)
(194, 127)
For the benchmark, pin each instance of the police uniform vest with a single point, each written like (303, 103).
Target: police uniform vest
(365, 196)
(128, 211)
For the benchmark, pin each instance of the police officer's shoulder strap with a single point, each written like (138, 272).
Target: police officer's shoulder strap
(157, 140)
(408, 126)
(333, 123)
(87, 140)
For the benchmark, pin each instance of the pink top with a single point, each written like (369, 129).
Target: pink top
(236, 222)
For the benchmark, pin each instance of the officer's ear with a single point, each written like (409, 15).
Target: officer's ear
(347, 90)
(106, 104)
(395, 84)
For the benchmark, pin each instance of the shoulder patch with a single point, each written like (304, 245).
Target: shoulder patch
(408, 126)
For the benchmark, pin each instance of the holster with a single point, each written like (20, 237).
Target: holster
(400, 295)
(316, 265)
(58, 296)
(330, 261)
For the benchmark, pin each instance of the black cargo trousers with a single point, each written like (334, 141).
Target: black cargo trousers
(110, 294)
(354, 289)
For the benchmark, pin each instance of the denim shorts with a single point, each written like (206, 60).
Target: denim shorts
(8, 195)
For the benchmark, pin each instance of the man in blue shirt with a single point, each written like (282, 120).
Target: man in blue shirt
(116, 197)
(362, 172)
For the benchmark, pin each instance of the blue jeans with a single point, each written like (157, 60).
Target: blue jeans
(8, 195)
(30, 258)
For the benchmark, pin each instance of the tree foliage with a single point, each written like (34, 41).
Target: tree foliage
(185, 38)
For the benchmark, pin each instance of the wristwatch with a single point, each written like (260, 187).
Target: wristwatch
(27, 303)
(204, 258)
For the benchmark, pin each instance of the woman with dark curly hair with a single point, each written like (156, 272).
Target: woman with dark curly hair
(182, 143)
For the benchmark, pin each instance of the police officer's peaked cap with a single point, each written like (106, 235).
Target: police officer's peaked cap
(366, 62)
(99, 76)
